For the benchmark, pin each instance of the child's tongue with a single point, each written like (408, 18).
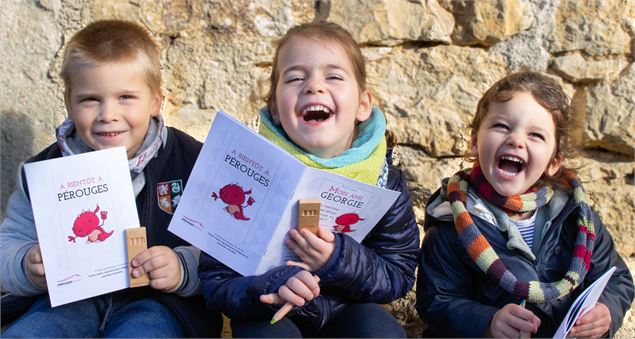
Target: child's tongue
(316, 116)
(509, 166)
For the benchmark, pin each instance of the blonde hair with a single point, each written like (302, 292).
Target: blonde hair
(109, 41)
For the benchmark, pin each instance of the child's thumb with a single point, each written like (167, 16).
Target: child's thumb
(326, 235)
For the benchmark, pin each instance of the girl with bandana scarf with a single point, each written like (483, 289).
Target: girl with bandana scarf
(517, 227)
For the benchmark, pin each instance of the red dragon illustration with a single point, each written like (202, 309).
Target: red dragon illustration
(87, 225)
(234, 196)
(345, 221)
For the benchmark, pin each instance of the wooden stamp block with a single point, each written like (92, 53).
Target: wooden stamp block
(136, 242)
(309, 214)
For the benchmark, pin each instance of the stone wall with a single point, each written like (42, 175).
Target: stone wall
(429, 61)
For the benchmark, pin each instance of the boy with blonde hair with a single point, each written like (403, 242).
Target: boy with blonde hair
(112, 77)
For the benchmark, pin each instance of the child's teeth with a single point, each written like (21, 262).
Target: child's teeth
(315, 108)
(514, 159)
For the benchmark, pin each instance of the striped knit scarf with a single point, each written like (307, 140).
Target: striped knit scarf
(486, 258)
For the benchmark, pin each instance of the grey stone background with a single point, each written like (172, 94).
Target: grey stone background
(429, 61)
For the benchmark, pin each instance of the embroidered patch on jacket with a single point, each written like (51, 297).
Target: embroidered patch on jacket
(169, 194)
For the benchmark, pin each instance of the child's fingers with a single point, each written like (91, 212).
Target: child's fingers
(293, 246)
(593, 324)
(588, 330)
(36, 269)
(523, 319)
(34, 255)
(510, 320)
(311, 244)
(300, 288)
(271, 298)
(290, 296)
(299, 237)
(310, 281)
(326, 235)
(505, 330)
(150, 253)
(155, 258)
(161, 283)
(164, 277)
(148, 266)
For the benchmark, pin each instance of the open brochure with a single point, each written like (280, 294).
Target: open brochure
(583, 304)
(241, 199)
(82, 204)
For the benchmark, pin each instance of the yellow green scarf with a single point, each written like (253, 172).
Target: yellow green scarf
(364, 161)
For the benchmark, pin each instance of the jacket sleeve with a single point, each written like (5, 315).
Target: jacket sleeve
(236, 296)
(17, 235)
(618, 293)
(445, 285)
(191, 285)
(382, 268)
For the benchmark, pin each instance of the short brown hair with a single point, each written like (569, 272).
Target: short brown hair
(109, 41)
(321, 31)
(550, 95)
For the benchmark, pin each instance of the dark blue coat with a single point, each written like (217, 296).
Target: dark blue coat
(456, 299)
(379, 270)
(173, 162)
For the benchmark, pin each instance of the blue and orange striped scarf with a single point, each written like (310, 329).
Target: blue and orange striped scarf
(486, 258)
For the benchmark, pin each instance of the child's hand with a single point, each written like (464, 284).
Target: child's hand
(593, 324)
(510, 320)
(35, 267)
(314, 250)
(162, 266)
(300, 288)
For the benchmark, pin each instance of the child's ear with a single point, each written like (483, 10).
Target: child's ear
(158, 102)
(69, 110)
(365, 106)
(273, 110)
(555, 164)
(473, 145)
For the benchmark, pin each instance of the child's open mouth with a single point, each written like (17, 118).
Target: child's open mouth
(510, 165)
(316, 113)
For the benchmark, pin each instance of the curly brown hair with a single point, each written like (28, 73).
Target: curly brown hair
(550, 95)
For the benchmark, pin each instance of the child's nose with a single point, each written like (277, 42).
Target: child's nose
(108, 111)
(515, 140)
(313, 86)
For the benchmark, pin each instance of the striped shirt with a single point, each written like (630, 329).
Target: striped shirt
(526, 228)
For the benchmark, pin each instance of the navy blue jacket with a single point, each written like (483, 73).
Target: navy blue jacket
(456, 299)
(379, 270)
(174, 161)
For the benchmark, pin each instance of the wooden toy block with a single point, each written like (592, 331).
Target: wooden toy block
(136, 242)
(309, 214)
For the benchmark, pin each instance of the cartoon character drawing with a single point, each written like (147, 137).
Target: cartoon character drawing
(87, 225)
(345, 221)
(234, 196)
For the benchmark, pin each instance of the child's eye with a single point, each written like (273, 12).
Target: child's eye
(335, 77)
(537, 135)
(127, 96)
(500, 125)
(293, 79)
(88, 99)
